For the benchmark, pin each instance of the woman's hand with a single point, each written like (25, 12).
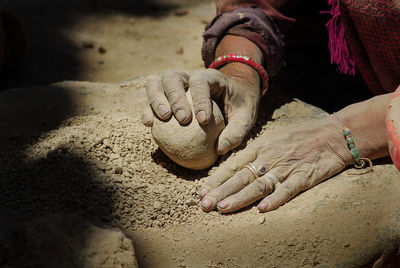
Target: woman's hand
(240, 98)
(235, 87)
(296, 158)
(286, 161)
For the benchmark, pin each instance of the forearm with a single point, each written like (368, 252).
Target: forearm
(240, 72)
(366, 121)
(257, 25)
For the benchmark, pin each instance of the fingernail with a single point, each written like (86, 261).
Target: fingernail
(223, 204)
(180, 115)
(203, 192)
(163, 110)
(146, 119)
(263, 206)
(201, 117)
(206, 203)
(223, 147)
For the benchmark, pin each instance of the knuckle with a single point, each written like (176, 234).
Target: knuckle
(175, 95)
(198, 87)
(196, 76)
(152, 82)
(287, 190)
(231, 169)
(153, 94)
(211, 182)
(177, 103)
(261, 186)
(233, 139)
(244, 177)
(168, 74)
(146, 112)
(216, 193)
(151, 90)
(213, 72)
(207, 185)
(202, 104)
(155, 101)
(201, 74)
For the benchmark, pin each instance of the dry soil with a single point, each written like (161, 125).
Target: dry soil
(79, 147)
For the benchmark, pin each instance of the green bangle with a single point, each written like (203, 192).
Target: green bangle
(359, 162)
(352, 147)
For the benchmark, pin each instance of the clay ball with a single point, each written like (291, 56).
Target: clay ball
(192, 146)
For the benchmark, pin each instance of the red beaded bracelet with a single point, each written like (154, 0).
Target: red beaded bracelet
(220, 61)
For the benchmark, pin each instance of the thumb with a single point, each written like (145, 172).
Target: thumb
(239, 124)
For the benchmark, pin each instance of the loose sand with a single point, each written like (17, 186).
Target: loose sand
(79, 147)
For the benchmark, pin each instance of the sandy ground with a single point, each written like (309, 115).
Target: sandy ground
(139, 37)
(79, 147)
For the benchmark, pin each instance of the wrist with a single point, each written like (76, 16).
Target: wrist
(336, 141)
(366, 121)
(241, 73)
(232, 44)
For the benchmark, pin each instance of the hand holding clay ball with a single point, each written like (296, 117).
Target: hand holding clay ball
(193, 145)
(167, 98)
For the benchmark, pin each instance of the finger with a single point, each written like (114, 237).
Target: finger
(157, 98)
(202, 85)
(239, 124)
(227, 169)
(147, 115)
(284, 192)
(231, 184)
(174, 88)
(239, 181)
(258, 189)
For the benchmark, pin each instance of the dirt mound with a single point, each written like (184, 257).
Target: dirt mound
(79, 147)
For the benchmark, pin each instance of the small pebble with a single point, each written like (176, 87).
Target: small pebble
(261, 219)
(102, 50)
(191, 202)
(181, 12)
(179, 50)
(157, 205)
(87, 43)
(118, 170)
(157, 223)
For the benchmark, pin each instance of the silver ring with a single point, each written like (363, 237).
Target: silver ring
(272, 179)
(252, 169)
(257, 172)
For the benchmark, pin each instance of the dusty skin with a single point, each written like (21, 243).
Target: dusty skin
(192, 146)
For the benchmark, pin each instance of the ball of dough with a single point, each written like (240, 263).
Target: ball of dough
(192, 146)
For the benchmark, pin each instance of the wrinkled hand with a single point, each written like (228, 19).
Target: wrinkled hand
(295, 159)
(166, 95)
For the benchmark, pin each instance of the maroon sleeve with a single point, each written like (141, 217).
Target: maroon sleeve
(256, 20)
(269, 7)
